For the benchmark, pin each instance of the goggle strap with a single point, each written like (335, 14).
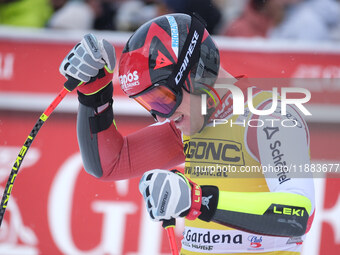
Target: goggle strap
(186, 60)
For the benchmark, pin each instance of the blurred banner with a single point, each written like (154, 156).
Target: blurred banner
(57, 208)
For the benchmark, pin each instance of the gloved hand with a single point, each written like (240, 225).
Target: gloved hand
(92, 62)
(169, 194)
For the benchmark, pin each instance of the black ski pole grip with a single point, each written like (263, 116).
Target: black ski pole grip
(71, 83)
(169, 223)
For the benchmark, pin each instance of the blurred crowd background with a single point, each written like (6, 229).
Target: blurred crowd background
(313, 20)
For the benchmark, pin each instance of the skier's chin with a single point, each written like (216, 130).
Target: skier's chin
(188, 128)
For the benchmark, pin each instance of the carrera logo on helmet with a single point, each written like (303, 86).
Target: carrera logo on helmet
(129, 80)
(186, 59)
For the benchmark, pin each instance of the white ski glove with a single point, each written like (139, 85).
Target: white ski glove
(86, 59)
(169, 195)
(92, 62)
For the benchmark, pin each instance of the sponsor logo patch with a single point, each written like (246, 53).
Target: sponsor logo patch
(129, 80)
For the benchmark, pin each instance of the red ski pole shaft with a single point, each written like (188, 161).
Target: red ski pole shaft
(169, 226)
(69, 85)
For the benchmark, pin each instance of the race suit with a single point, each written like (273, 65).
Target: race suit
(236, 153)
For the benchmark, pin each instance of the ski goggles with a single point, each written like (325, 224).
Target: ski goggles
(159, 100)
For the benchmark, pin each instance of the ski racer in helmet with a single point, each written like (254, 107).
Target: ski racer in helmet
(174, 60)
(165, 66)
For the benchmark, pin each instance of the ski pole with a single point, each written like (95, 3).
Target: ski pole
(169, 226)
(69, 85)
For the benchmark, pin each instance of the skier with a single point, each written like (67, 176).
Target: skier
(168, 65)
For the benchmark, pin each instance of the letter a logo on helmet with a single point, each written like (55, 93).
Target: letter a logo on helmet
(162, 61)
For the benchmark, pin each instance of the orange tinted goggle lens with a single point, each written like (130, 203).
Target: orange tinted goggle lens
(159, 99)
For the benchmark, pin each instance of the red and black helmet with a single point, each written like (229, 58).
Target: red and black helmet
(174, 51)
